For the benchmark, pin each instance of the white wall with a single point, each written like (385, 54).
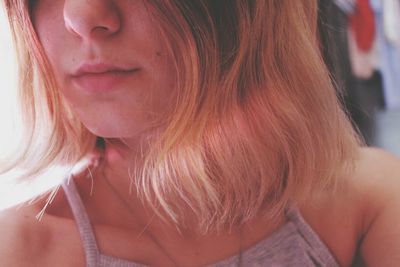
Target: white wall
(7, 85)
(8, 133)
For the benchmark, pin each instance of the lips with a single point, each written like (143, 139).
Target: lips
(102, 77)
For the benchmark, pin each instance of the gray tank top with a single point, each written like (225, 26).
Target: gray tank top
(293, 244)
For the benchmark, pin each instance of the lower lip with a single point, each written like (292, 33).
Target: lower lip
(103, 82)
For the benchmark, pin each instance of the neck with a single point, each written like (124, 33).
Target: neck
(116, 173)
(113, 205)
(114, 177)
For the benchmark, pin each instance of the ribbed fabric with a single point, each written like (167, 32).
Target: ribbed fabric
(83, 223)
(293, 244)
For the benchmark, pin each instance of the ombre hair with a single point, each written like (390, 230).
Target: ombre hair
(257, 124)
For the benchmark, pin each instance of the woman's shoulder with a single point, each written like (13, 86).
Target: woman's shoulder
(377, 184)
(364, 218)
(375, 181)
(375, 165)
(27, 240)
(22, 236)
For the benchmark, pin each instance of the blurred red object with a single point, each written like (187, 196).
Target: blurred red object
(362, 23)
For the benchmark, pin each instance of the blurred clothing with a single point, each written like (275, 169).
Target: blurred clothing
(346, 6)
(391, 21)
(389, 58)
(362, 23)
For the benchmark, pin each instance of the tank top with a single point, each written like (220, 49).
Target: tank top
(292, 244)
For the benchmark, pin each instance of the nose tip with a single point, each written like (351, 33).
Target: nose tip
(91, 19)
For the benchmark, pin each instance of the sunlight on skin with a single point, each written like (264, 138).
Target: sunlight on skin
(12, 193)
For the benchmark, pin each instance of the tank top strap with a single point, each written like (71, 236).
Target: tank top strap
(84, 226)
(319, 249)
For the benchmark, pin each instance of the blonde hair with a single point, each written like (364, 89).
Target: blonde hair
(256, 126)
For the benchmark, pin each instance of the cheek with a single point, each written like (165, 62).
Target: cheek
(165, 83)
(49, 26)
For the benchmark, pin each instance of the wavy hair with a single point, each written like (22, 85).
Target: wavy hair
(257, 124)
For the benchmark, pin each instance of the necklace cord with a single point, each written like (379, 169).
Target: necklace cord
(147, 225)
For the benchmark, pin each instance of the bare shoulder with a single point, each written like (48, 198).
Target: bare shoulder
(378, 173)
(377, 168)
(363, 220)
(23, 237)
(376, 180)
(27, 241)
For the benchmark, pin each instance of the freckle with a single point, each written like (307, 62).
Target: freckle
(158, 54)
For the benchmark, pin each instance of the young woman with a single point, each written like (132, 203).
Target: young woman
(212, 136)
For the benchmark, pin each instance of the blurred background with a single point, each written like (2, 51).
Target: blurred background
(361, 43)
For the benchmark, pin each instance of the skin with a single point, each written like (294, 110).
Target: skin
(77, 32)
(357, 225)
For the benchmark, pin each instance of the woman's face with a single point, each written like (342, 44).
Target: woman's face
(110, 64)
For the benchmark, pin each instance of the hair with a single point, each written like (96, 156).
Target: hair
(257, 125)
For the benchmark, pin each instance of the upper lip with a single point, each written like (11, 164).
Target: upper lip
(97, 68)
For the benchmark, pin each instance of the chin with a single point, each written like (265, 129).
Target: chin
(116, 130)
(108, 131)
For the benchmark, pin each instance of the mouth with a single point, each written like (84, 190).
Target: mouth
(102, 77)
(101, 68)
